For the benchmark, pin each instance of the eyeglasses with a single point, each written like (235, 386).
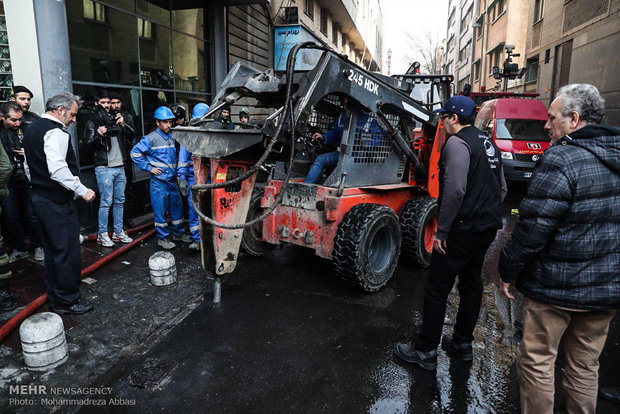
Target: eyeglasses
(444, 116)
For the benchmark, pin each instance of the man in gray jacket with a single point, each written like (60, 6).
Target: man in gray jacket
(564, 254)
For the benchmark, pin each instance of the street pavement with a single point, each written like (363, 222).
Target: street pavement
(288, 336)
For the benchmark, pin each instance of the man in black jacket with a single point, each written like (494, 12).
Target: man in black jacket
(23, 97)
(106, 132)
(472, 188)
(564, 254)
(16, 204)
(129, 134)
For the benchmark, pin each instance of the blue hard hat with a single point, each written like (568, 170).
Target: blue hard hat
(163, 113)
(200, 110)
(460, 105)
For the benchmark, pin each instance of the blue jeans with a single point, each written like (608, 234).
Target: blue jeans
(322, 162)
(17, 209)
(111, 182)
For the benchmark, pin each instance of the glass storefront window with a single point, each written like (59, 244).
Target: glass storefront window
(151, 100)
(156, 58)
(190, 100)
(190, 21)
(104, 53)
(156, 10)
(128, 5)
(189, 63)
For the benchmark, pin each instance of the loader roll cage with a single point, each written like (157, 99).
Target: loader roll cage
(307, 97)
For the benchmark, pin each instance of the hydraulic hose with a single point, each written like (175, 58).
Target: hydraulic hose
(31, 308)
(288, 110)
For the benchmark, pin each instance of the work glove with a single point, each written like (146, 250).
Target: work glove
(183, 187)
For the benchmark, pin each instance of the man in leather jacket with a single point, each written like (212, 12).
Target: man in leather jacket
(16, 204)
(129, 132)
(106, 133)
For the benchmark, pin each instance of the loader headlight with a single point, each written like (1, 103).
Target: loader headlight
(506, 155)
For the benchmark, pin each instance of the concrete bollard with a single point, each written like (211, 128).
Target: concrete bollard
(43, 341)
(163, 269)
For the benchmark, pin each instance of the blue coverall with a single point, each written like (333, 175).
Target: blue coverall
(157, 150)
(185, 171)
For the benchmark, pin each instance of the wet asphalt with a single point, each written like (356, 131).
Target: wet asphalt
(287, 337)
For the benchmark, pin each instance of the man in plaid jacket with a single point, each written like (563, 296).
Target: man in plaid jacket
(564, 254)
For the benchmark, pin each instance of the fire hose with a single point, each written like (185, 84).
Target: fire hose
(287, 111)
(31, 308)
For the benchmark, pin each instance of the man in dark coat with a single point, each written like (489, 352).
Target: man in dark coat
(564, 254)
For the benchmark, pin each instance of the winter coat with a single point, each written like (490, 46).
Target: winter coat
(565, 250)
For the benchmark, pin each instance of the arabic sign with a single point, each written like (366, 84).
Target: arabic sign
(284, 38)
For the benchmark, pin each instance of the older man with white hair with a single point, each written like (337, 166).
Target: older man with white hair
(564, 254)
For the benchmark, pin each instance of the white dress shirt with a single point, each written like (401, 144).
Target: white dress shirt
(55, 146)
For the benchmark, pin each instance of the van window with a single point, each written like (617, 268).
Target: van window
(521, 129)
(484, 125)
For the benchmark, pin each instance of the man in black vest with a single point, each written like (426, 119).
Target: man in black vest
(54, 177)
(471, 190)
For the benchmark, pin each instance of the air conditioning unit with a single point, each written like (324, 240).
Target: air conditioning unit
(291, 15)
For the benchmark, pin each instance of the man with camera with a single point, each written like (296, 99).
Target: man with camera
(129, 132)
(106, 133)
(17, 204)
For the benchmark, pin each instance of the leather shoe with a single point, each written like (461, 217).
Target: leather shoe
(611, 394)
(462, 351)
(74, 309)
(425, 360)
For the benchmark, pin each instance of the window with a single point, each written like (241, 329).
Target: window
(495, 58)
(94, 11)
(324, 15)
(335, 33)
(451, 18)
(465, 52)
(521, 129)
(501, 7)
(466, 20)
(145, 29)
(531, 74)
(309, 8)
(477, 70)
(539, 6)
(450, 44)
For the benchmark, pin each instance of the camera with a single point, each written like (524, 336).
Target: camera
(19, 172)
(107, 119)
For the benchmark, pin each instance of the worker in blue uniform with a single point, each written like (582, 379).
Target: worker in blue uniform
(185, 172)
(367, 132)
(156, 154)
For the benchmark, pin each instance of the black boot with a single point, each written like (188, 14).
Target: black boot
(7, 298)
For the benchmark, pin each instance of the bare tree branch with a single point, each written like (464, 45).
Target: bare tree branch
(425, 50)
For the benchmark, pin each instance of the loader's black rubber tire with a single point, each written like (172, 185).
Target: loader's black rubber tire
(252, 240)
(418, 224)
(367, 246)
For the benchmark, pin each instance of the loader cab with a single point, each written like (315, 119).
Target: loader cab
(430, 90)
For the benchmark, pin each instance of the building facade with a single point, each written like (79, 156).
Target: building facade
(574, 41)
(498, 23)
(153, 52)
(459, 42)
(351, 27)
